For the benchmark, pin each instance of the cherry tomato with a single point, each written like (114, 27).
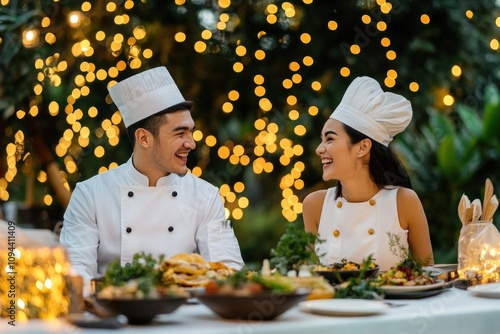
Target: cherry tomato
(211, 287)
(255, 288)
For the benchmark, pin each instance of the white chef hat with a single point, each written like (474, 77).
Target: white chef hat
(366, 108)
(145, 94)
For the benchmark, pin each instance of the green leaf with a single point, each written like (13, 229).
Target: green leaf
(471, 120)
(441, 125)
(470, 166)
(447, 157)
(491, 116)
(294, 248)
(430, 138)
(21, 19)
(142, 269)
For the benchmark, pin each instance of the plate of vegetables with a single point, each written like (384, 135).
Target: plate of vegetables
(407, 278)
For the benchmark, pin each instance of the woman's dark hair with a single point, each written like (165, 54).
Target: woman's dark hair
(385, 167)
(153, 122)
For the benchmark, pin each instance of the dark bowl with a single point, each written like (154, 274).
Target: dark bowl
(142, 311)
(263, 306)
(336, 276)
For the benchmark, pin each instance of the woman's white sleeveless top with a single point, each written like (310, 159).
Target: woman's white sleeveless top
(355, 230)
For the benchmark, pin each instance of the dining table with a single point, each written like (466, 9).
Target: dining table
(453, 310)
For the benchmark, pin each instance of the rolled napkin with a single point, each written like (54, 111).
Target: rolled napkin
(470, 212)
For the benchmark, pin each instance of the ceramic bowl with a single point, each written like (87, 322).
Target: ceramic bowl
(262, 306)
(336, 276)
(143, 310)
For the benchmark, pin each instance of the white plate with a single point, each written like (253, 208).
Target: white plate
(441, 267)
(388, 289)
(490, 290)
(343, 307)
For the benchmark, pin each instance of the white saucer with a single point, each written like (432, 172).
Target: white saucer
(343, 307)
(490, 290)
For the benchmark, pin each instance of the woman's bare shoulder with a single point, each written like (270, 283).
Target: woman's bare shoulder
(410, 210)
(316, 197)
(407, 196)
(311, 210)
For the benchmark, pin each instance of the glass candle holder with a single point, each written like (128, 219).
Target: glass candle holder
(479, 252)
(35, 284)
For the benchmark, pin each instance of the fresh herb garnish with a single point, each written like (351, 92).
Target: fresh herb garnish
(359, 287)
(245, 276)
(407, 260)
(273, 283)
(294, 248)
(142, 269)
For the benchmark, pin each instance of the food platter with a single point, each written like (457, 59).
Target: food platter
(411, 288)
(490, 290)
(339, 276)
(344, 307)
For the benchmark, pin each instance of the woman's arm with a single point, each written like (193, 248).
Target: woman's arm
(311, 210)
(412, 217)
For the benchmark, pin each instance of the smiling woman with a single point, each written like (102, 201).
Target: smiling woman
(373, 196)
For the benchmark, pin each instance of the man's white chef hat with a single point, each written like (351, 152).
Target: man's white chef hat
(146, 94)
(366, 108)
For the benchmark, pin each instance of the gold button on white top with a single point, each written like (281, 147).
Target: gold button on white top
(336, 233)
(371, 231)
(372, 202)
(339, 204)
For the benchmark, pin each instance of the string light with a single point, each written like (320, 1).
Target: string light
(456, 70)
(425, 19)
(128, 43)
(31, 38)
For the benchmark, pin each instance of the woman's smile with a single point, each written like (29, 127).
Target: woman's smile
(326, 162)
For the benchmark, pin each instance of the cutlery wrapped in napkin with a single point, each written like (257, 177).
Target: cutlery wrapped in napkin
(470, 212)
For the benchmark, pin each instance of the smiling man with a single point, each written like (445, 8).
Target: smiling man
(151, 203)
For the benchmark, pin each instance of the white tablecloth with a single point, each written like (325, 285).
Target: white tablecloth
(453, 311)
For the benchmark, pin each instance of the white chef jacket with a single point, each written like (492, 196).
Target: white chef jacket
(356, 230)
(116, 214)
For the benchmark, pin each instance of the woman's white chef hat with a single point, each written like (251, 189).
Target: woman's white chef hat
(145, 94)
(366, 108)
